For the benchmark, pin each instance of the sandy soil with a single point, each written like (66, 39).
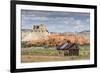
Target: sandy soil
(40, 58)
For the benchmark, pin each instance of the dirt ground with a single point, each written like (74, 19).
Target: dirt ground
(40, 58)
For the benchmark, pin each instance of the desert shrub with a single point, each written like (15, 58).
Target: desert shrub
(84, 50)
(23, 45)
(47, 52)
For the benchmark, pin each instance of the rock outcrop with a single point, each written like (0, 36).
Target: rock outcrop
(40, 35)
(39, 32)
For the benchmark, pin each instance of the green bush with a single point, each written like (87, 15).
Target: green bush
(41, 52)
(51, 51)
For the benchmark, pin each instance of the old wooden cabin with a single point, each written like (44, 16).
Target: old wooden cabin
(70, 49)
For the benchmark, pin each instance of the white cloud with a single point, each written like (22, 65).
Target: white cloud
(74, 23)
(79, 24)
(69, 20)
(40, 18)
(87, 20)
(25, 18)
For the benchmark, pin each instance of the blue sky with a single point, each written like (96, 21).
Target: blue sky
(56, 21)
